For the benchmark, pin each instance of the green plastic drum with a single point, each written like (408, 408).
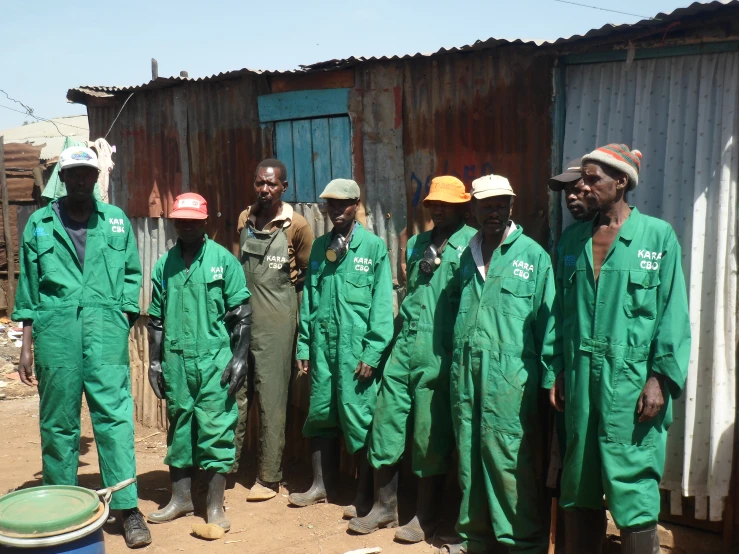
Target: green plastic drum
(46, 509)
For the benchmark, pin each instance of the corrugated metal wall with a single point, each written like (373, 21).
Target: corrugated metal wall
(473, 114)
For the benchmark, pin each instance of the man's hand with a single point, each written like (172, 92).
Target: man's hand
(364, 371)
(557, 393)
(652, 398)
(303, 367)
(25, 365)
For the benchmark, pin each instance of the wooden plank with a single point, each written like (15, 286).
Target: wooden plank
(303, 159)
(9, 247)
(303, 104)
(341, 148)
(313, 81)
(321, 154)
(284, 147)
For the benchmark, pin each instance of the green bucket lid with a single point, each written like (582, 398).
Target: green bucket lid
(46, 509)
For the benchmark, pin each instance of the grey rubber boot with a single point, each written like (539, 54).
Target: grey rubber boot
(214, 501)
(362, 503)
(181, 502)
(323, 452)
(423, 525)
(642, 541)
(384, 512)
(585, 531)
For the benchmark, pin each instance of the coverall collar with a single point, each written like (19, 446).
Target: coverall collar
(357, 235)
(196, 260)
(49, 215)
(457, 238)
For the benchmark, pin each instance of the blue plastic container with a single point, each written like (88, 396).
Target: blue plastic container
(91, 544)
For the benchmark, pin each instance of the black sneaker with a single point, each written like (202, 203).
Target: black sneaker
(135, 531)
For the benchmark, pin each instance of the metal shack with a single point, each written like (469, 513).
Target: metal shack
(667, 86)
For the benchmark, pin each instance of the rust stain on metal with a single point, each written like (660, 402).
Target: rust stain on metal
(485, 112)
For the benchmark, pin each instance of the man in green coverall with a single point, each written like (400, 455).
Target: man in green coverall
(346, 325)
(415, 381)
(504, 346)
(199, 298)
(623, 314)
(78, 294)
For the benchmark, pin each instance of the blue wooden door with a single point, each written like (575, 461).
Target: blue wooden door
(314, 151)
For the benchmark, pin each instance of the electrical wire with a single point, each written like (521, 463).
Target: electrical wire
(29, 111)
(604, 9)
(44, 119)
(117, 116)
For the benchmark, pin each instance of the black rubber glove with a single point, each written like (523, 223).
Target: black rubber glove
(239, 321)
(156, 379)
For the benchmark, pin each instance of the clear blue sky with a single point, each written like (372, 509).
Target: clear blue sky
(50, 47)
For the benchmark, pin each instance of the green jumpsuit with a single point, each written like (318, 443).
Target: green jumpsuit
(415, 381)
(193, 303)
(346, 316)
(633, 324)
(80, 334)
(266, 262)
(503, 350)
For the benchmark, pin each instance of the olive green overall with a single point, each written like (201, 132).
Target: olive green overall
(266, 263)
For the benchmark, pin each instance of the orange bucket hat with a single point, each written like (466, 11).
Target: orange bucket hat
(447, 189)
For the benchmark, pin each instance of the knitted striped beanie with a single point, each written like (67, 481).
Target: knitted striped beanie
(619, 157)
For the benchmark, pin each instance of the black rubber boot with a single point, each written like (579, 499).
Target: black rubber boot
(362, 503)
(214, 501)
(423, 525)
(641, 541)
(135, 531)
(384, 512)
(585, 531)
(323, 452)
(181, 502)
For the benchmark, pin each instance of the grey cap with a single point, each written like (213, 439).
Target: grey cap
(341, 189)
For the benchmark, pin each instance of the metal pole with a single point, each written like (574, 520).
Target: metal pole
(9, 249)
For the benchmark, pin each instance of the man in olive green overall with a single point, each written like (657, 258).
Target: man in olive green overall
(275, 246)
(346, 325)
(199, 328)
(414, 392)
(504, 349)
(78, 294)
(623, 314)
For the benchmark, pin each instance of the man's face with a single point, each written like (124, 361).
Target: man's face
(443, 214)
(493, 213)
(342, 212)
(269, 186)
(190, 231)
(580, 200)
(80, 182)
(606, 186)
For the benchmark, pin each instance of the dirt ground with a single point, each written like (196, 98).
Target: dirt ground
(257, 528)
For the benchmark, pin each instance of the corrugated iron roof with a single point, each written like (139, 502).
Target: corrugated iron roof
(50, 134)
(695, 9)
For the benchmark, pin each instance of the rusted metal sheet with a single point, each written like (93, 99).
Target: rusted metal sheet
(378, 120)
(13, 214)
(154, 236)
(20, 159)
(484, 112)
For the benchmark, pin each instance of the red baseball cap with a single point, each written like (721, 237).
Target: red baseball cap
(189, 206)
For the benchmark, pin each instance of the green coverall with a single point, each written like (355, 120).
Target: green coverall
(415, 381)
(634, 324)
(503, 350)
(80, 334)
(202, 417)
(346, 316)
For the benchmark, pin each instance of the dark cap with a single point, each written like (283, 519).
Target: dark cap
(570, 174)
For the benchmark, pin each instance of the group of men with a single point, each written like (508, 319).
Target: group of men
(487, 323)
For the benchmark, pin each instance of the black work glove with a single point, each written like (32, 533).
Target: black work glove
(156, 333)
(239, 320)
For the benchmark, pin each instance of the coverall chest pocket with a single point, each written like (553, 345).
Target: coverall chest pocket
(214, 291)
(46, 260)
(641, 294)
(358, 290)
(115, 260)
(516, 297)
